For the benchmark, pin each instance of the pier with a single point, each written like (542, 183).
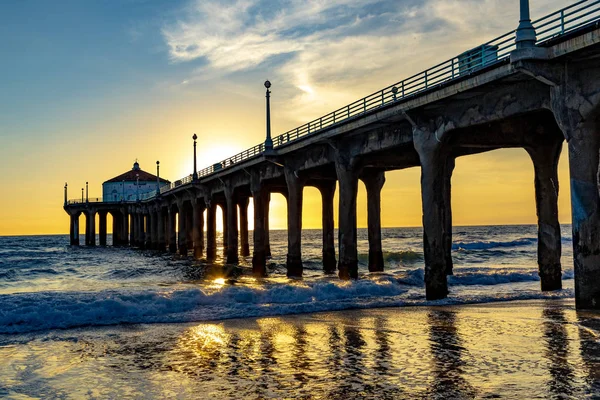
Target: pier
(532, 88)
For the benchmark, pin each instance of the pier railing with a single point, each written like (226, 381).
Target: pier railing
(495, 51)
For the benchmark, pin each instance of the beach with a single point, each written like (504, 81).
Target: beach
(520, 349)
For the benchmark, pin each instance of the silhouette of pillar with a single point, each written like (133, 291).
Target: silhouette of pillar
(124, 227)
(267, 236)
(133, 227)
(348, 181)
(545, 162)
(232, 226)
(90, 229)
(181, 234)
(295, 186)
(189, 226)
(327, 192)
(172, 221)
(211, 230)
(102, 227)
(259, 198)
(151, 235)
(198, 229)
(447, 214)
(374, 183)
(74, 230)
(161, 242)
(244, 245)
(225, 227)
(116, 229)
(433, 156)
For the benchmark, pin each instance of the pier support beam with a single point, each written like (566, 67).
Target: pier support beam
(153, 234)
(244, 245)
(90, 228)
(102, 227)
(189, 225)
(575, 107)
(172, 230)
(433, 155)
(267, 229)
(198, 228)
(232, 226)
(374, 183)
(133, 229)
(211, 230)
(545, 161)
(74, 230)
(225, 228)
(161, 243)
(327, 190)
(259, 198)
(295, 186)
(348, 181)
(181, 233)
(116, 229)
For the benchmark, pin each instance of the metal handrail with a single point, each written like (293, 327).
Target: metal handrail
(493, 52)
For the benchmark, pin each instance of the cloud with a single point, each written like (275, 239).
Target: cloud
(326, 53)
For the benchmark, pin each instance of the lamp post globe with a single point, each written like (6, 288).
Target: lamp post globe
(157, 178)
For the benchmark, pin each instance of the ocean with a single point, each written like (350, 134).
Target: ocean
(104, 322)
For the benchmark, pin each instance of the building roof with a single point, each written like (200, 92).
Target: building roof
(132, 176)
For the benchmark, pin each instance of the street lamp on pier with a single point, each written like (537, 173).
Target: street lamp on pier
(268, 140)
(158, 178)
(137, 187)
(525, 32)
(66, 194)
(87, 199)
(195, 174)
(82, 195)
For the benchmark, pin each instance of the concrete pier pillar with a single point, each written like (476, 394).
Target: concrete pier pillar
(211, 230)
(225, 226)
(374, 183)
(161, 243)
(181, 234)
(151, 236)
(90, 228)
(267, 204)
(244, 245)
(327, 193)
(116, 229)
(295, 187)
(102, 228)
(259, 198)
(232, 227)
(545, 161)
(348, 181)
(172, 221)
(433, 156)
(125, 228)
(137, 226)
(74, 230)
(133, 229)
(198, 229)
(189, 226)
(447, 214)
(143, 230)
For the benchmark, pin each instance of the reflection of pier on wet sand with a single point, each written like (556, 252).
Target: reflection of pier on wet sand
(509, 350)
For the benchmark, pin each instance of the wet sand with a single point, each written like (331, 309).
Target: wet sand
(524, 349)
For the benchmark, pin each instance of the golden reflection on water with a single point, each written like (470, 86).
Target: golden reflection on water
(539, 350)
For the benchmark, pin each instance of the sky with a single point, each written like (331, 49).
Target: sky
(88, 86)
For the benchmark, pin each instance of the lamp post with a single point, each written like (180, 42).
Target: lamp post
(195, 174)
(525, 32)
(82, 195)
(395, 92)
(158, 178)
(87, 199)
(66, 194)
(137, 187)
(268, 140)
